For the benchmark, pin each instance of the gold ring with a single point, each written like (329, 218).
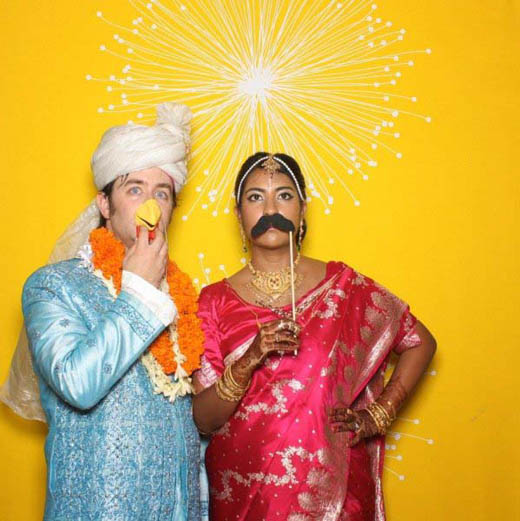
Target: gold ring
(282, 325)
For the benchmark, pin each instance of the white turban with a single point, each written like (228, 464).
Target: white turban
(130, 148)
(123, 149)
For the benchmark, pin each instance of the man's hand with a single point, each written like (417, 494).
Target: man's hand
(147, 259)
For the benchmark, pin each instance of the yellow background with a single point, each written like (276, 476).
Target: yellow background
(439, 228)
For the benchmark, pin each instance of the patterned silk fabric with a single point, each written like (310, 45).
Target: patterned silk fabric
(277, 457)
(115, 451)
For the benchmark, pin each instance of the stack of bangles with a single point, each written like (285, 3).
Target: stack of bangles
(228, 389)
(381, 417)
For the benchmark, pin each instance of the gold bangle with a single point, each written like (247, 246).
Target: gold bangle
(228, 389)
(375, 417)
(391, 407)
(230, 379)
(224, 393)
(380, 416)
(387, 419)
(382, 412)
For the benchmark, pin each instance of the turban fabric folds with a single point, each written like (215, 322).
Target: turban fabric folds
(130, 148)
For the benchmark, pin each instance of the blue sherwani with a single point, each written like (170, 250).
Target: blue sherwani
(115, 451)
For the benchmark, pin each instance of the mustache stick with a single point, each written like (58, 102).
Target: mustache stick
(291, 253)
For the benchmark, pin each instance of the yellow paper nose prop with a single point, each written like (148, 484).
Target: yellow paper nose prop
(148, 214)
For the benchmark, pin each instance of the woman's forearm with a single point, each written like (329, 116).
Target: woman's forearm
(413, 363)
(213, 406)
(210, 412)
(408, 371)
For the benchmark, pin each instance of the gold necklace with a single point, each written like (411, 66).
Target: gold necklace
(271, 285)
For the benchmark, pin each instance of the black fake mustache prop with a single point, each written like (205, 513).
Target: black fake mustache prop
(276, 220)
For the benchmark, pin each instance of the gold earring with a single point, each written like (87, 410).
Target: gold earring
(243, 235)
(300, 236)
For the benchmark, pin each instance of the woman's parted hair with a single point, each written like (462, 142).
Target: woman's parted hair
(288, 160)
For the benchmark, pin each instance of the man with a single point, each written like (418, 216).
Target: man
(121, 442)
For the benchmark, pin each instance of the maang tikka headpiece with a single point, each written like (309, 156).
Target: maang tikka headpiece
(271, 166)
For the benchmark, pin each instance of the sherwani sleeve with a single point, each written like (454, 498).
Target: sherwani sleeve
(80, 364)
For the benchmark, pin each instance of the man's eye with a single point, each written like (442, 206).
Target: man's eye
(162, 195)
(135, 190)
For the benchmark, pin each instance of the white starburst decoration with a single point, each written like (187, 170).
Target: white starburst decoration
(315, 79)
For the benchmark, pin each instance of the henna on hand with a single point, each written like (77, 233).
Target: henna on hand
(359, 422)
(244, 367)
(393, 397)
(276, 336)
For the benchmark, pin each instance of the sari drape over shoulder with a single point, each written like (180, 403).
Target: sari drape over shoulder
(277, 456)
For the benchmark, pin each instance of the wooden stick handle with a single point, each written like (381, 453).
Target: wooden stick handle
(293, 298)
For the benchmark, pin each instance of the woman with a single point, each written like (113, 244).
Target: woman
(297, 410)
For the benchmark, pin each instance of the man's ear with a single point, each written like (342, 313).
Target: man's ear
(103, 204)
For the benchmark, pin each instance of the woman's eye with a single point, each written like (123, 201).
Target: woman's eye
(254, 197)
(287, 196)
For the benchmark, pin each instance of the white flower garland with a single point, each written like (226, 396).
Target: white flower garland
(161, 382)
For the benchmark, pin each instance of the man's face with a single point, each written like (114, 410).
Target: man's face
(131, 191)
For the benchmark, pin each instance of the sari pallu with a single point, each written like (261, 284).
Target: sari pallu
(277, 456)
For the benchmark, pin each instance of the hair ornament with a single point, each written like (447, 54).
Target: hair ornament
(271, 166)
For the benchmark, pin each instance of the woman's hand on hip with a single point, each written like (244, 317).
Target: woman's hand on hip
(360, 423)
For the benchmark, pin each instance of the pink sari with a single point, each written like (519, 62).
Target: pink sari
(277, 457)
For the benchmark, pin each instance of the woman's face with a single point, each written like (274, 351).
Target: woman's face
(264, 193)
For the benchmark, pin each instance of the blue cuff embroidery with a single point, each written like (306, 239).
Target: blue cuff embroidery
(138, 322)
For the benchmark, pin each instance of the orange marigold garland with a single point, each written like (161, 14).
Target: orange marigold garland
(108, 253)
